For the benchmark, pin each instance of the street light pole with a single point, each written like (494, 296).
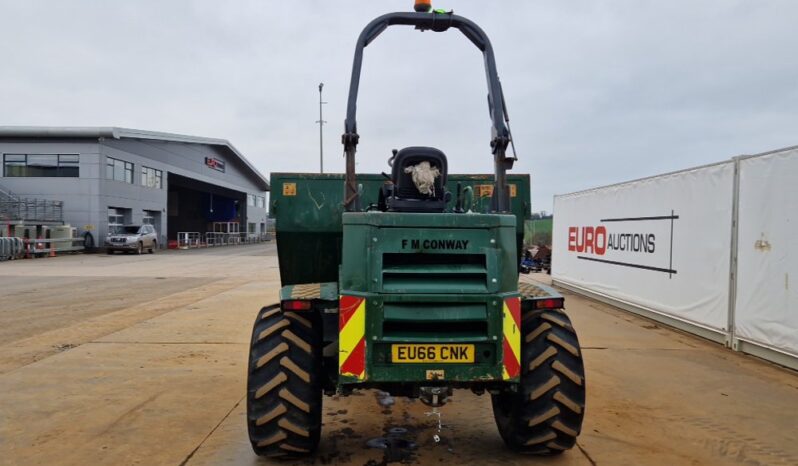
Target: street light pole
(321, 132)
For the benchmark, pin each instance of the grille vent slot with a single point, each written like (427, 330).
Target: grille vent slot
(434, 273)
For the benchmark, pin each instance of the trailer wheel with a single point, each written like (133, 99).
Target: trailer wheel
(284, 383)
(545, 415)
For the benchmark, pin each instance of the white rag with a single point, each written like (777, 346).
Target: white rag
(424, 177)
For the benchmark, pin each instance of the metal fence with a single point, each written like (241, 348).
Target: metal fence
(19, 248)
(11, 248)
(188, 239)
(193, 239)
(31, 210)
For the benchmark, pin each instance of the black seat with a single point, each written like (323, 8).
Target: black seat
(404, 196)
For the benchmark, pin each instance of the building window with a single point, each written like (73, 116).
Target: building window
(251, 228)
(69, 165)
(41, 165)
(151, 178)
(261, 202)
(251, 200)
(116, 220)
(118, 170)
(14, 165)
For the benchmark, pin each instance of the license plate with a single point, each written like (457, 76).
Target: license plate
(432, 353)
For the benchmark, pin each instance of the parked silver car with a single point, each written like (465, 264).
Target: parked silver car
(133, 238)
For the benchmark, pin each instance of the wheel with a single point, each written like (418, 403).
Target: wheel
(140, 249)
(109, 251)
(545, 415)
(284, 383)
(153, 247)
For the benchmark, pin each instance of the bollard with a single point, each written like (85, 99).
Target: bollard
(52, 250)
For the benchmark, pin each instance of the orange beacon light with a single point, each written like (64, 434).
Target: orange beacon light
(423, 6)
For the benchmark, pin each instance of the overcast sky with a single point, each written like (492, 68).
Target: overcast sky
(598, 91)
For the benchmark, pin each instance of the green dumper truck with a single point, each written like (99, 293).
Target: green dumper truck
(408, 282)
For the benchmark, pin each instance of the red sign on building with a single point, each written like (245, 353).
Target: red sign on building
(216, 164)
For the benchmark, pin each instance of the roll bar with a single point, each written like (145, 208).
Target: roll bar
(438, 22)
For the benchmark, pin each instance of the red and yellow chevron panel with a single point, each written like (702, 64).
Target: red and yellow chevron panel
(352, 337)
(511, 324)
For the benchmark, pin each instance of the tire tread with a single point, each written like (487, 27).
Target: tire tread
(545, 416)
(283, 385)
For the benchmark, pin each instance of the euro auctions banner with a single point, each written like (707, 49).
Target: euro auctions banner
(660, 243)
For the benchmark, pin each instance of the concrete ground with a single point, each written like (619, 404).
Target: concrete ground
(125, 360)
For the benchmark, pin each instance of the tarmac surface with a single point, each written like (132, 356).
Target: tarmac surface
(141, 360)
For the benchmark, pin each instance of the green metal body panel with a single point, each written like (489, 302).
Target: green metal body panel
(426, 278)
(402, 308)
(308, 207)
(372, 238)
(430, 278)
(389, 309)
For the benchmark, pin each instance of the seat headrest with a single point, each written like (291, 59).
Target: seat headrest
(415, 155)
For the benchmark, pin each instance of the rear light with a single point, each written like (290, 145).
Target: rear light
(296, 305)
(550, 303)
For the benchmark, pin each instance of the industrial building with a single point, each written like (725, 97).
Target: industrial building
(100, 178)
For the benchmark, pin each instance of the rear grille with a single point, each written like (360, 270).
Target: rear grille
(433, 330)
(434, 321)
(434, 273)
